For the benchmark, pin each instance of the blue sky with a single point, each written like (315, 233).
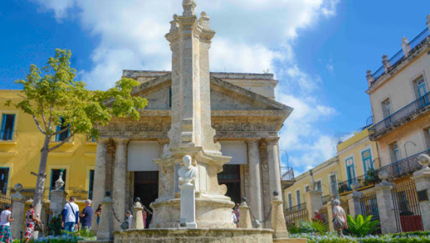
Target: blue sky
(318, 49)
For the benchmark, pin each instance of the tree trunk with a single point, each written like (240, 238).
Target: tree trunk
(40, 185)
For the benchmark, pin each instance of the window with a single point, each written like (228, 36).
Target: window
(298, 198)
(350, 170)
(7, 126)
(366, 156)
(427, 137)
(91, 186)
(290, 201)
(333, 184)
(4, 179)
(386, 108)
(307, 188)
(170, 97)
(394, 152)
(421, 91)
(64, 135)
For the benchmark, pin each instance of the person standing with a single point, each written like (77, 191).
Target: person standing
(30, 221)
(129, 218)
(339, 218)
(5, 220)
(71, 216)
(87, 215)
(99, 213)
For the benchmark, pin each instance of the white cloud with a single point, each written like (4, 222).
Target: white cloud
(252, 36)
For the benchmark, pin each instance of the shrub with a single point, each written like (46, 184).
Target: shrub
(361, 226)
(308, 227)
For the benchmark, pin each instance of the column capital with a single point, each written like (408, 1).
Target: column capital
(121, 141)
(252, 140)
(103, 140)
(272, 140)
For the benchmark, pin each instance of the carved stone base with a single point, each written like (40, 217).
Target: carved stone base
(194, 236)
(210, 213)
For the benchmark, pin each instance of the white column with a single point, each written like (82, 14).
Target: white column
(119, 183)
(386, 207)
(255, 196)
(99, 177)
(313, 202)
(354, 200)
(105, 231)
(273, 161)
(422, 183)
(18, 212)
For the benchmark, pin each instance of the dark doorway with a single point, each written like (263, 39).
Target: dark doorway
(231, 178)
(146, 187)
(4, 180)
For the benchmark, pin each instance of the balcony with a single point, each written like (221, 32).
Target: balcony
(407, 113)
(287, 177)
(364, 181)
(399, 57)
(404, 166)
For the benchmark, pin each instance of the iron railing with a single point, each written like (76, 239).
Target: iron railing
(406, 207)
(403, 115)
(363, 181)
(369, 206)
(404, 166)
(296, 214)
(398, 58)
(287, 173)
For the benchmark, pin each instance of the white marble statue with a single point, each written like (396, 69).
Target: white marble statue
(188, 172)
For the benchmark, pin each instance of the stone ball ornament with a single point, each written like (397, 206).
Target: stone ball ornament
(18, 187)
(424, 160)
(355, 186)
(383, 175)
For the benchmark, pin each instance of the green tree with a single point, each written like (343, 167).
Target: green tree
(54, 99)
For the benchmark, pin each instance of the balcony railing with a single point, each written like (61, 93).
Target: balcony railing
(370, 178)
(419, 105)
(296, 208)
(399, 57)
(287, 173)
(404, 166)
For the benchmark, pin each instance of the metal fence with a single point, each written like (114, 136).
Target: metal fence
(399, 57)
(418, 106)
(404, 166)
(369, 206)
(296, 214)
(406, 207)
(364, 180)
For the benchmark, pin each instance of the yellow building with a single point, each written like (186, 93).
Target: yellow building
(20, 144)
(358, 158)
(326, 176)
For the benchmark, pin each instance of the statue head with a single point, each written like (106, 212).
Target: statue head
(187, 161)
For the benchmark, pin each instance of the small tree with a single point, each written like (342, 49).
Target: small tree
(54, 99)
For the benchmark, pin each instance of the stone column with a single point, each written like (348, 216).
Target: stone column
(330, 216)
(105, 229)
(18, 212)
(313, 202)
(274, 170)
(245, 217)
(422, 182)
(354, 202)
(385, 204)
(119, 181)
(278, 220)
(255, 196)
(99, 177)
(137, 222)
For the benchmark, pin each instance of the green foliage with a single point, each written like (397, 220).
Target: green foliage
(54, 226)
(52, 94)
(361, 226)
(410, 237)
(308, 227)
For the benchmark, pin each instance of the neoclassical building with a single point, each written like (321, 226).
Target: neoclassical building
(243, 113)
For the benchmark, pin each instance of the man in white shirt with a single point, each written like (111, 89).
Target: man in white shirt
(71, 216)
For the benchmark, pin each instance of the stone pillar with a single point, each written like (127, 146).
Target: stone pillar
(405, 46)
(99, 177)
(188, 206)
(385, 204)
(370, 78)
(354, 202)
(313, 202)
(255, 196)
(278, 219)
(58, 199)
(245, 217)
(105, 229)
(422, 182)
(119, 181)
(386, 63)
(18, 212)
(274, 170)
(330, 216)
(137, 222)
